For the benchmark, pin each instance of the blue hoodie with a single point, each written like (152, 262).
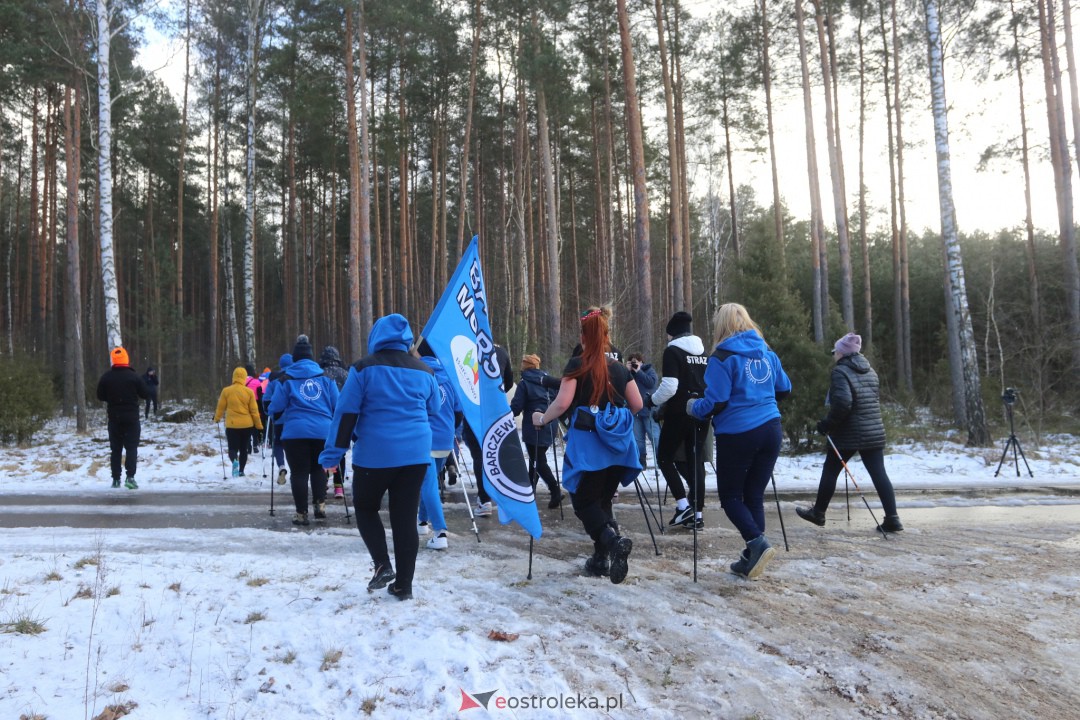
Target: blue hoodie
(742, 380)
(283, 364)
(304, 401)
(442, 425)
(389, 403)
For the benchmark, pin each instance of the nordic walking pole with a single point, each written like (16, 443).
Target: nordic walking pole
(648, 503)
(468, 503)
(778, 513)
(344, 502)
(847, 498)
(529, 576)
(647, 523)
(222, 449)
(694, 489)
(850, 475)
(555, 435)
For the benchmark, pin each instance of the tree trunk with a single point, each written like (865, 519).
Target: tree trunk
(836, 168)
(551, 228)
(641, 200)
(178, 297)
(774, 165)
(355, 332)
(675, 195)
(965, 365)
(254, 11)
(868, 307)
(74, 353)
(816, 222)
(364, 262)
(901, 203)
(1071, 269)
(105, 180)
(473, 60)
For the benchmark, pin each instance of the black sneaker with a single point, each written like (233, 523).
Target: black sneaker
(682, 516)
(811, 515)
(698, 524)
(116, 482)
(384, 575)
(617, 555)
(399, 593)
(130, 484)
(891, 523)
(555, 501)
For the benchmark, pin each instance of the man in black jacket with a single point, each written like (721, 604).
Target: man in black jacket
(122, 389)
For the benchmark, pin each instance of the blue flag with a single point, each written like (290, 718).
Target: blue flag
(460, 336)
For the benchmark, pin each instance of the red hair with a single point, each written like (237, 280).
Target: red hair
(594, 344)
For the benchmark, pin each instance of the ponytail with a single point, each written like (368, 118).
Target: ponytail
(594, 363)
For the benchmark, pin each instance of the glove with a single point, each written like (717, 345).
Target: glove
(823, 427)
(690, 407)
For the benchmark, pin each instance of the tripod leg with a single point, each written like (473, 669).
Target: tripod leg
(1004, 454)
(1024, 458)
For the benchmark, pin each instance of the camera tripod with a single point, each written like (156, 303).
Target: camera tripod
(1013, 443)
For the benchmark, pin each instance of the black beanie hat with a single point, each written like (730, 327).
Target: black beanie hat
(679, 324)
(302, 349)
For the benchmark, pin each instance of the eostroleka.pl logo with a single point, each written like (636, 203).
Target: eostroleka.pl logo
(492, 700)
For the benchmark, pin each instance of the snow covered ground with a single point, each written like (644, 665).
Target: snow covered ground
(968, 613)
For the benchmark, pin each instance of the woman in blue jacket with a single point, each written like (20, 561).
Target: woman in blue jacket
(388, 405)
(303, 404)
(531, 396)
(743, 381)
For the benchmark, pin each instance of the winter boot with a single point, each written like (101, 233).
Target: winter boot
(339, 491)
(759, 553)
(811, 514)
(739, 567)
(618, 551)
(130, 483)
(236, 468)
(383, 576)
(116, 482)
(556, 497)
(282, 476)
(597, 564)
(300, 519)
(320, 511)
(399, 592)
(451, 475)
(891, 523)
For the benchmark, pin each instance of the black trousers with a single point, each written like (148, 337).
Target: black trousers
(592, 501)
(403, 485)
(239, 440)
(874, 462)
(303, 455)
(124, 438)
(151, 399)
(477, 462)
(538, 458)
(678, 432)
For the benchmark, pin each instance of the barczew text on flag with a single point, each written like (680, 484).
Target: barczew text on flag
(460, 335)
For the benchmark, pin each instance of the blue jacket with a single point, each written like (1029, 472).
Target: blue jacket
(304, 401)
(389, 403)
(647, 381)
(742, 381)
(442, 425)
(531, 396)
(610, 444)
(272, 384)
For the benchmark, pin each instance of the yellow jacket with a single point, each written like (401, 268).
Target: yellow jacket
(237, 403)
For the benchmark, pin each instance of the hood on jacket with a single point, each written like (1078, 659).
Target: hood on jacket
(856, 362)
(330, 356)
(436, 367)
(390, 332)
(285, 361)
(746, 343)
(305, 368)
(690, 343)
(239, 376)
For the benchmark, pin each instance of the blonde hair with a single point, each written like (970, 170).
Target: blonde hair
(732, 318)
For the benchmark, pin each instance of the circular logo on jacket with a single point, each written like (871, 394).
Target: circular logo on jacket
(310, 390)
(467, 366)
(504, 465)
(758, 371)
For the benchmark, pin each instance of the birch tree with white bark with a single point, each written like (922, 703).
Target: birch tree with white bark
(255, 12)
(105, 32)
(963, 359)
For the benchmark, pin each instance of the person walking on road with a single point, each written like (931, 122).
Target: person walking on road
(121, 388)
(237, 404)
(854, 425)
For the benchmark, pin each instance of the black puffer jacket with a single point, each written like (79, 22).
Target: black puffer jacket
(330, 362)
(532, 396)
(121, 387)
(854, 419)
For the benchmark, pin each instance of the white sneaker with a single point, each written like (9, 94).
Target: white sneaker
(438, 542)
(423, 528)
(483, 510)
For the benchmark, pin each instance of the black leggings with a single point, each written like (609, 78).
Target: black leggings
(873, 460)
(592, 501)
(239, 444)
(403, 484)
(477, 462)
(538, 457)
(303, 455)
(124, 438)
(678, 432)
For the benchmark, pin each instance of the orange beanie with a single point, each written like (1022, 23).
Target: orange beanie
(119, 356)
